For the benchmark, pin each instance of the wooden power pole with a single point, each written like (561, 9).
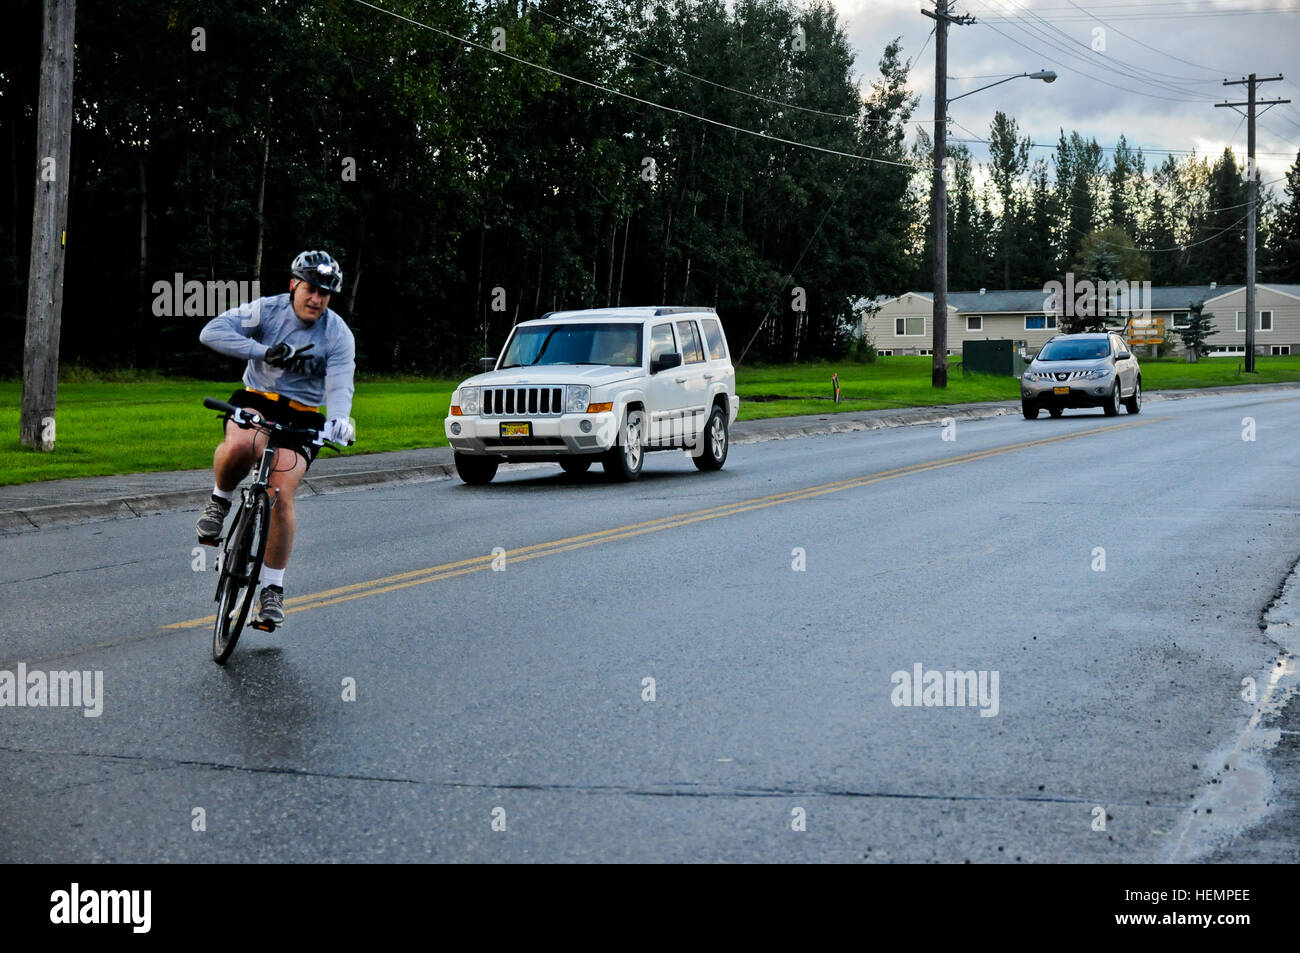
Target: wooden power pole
(939, 194)
(49, 224)
(1252, 189)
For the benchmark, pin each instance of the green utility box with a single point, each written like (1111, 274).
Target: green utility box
(1004, 357)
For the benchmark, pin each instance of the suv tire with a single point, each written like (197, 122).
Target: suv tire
(714, 442)
(1134, 403)
(1113, 402)
(623, 461)
(576, 466)
(476, 471)
(1029, 410)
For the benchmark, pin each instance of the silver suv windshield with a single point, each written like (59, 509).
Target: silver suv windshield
(1088, 350)
(617, 345)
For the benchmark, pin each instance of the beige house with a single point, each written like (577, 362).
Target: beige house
(903, 325)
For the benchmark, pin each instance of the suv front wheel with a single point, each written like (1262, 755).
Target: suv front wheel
(1134, 403)
(623, 460)
(1113, 402)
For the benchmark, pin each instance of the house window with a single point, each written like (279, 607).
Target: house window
(1226, 350)
(1039, 322)
(885, 353)
(1280, 349)
(909, 327)
(974, 322)
(1263, 323)
(1182, 319)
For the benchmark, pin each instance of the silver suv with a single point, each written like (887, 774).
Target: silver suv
(1082, 370)
(606, 385)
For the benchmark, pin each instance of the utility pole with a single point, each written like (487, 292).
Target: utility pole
(49, 224)
(939, 194)
(1252, 189)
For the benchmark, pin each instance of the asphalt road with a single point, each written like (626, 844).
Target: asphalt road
(772, 604)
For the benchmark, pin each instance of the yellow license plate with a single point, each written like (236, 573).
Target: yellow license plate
(1060, 390)
(517, 430)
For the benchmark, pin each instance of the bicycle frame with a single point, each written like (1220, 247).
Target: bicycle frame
(233, 604)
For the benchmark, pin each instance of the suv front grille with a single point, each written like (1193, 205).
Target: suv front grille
(523, 401)
(1058, 376)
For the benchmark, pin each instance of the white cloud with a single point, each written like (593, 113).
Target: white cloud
(1080, 99)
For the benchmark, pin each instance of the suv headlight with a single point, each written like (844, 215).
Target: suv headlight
(576, 398)
(468, 400)
(1097, 374)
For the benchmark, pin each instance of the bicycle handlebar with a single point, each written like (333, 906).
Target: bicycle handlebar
(245, 417)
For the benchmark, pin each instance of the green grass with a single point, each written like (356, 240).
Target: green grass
(891, 382)
(107, 427)
(134, 422)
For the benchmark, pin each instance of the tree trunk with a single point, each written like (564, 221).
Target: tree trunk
(356, 279)
(478, 288)
(261, 199)
(49, 222)
(144, 238)
(622, 264)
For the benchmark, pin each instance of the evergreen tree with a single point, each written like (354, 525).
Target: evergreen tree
(1200, 326)
(1284, 238)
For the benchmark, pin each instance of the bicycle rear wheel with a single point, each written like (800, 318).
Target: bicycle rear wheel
(241, 567)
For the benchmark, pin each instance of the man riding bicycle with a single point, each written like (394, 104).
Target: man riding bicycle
(299, 353)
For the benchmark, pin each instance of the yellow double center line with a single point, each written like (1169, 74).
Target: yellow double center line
(418, 577)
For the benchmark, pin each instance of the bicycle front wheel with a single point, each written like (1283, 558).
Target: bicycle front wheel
(241, 568)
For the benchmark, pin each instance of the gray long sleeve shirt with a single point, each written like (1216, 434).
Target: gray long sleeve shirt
(252, 329)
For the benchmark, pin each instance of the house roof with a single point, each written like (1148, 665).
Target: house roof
(1031, 301)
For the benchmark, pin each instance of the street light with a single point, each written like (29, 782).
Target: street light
(939, 330)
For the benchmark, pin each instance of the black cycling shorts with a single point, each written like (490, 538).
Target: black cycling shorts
(281, 413)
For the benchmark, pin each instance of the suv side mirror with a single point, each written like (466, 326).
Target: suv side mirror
(486, 364)
(664, 361)
(1123, 356)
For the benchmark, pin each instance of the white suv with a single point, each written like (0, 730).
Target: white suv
(608, 384)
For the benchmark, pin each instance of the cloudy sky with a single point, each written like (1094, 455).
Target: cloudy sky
(1165, 61)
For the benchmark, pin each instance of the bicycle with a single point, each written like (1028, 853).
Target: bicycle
(240, 559)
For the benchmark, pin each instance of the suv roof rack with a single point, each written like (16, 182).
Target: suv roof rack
(679, 309)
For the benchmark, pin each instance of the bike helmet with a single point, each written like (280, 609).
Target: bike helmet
(319, 269)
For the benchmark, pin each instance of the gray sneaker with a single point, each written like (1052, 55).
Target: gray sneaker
(270, 608)
(212, 521)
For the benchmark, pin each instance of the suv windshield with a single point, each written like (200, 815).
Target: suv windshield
(1088, 350)
(618, 345)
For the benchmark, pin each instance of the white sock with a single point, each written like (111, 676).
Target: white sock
(272, 577)
(223, 494)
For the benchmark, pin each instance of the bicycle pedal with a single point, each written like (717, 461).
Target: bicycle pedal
(213, 541)
(262, 626)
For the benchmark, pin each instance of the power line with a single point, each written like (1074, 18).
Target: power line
(1182, 247)
(701, 79)
(1028, 181)
(1169, 15)
(1091, 76)
(1117, 61)
(1154, 49)
(1122, 68)
(636, 99)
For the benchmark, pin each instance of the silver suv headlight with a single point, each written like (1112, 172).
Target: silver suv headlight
(468, 400)
(576, 398)
(1098, 374)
